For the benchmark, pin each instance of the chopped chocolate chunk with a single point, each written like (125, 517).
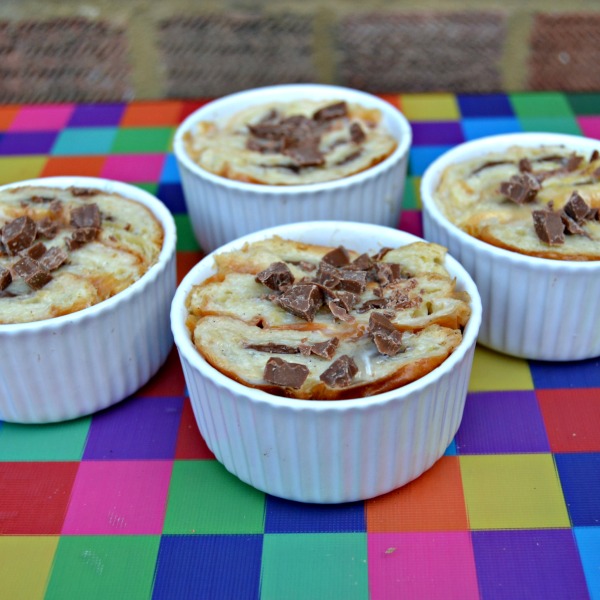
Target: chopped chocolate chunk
(353, 281)
(41, 199)
(340, 372)
(79, 191)
(347, 299)
(573, 162)
(5, 278)
(595, 156)
(18, 234)
(32, 272)
(275, 276)
(86, 216)
(302, 300)
(304, 265)
(273, 348)
(399, 300)
(53, 258)
(337, 257)
(56, 206)
(34, 251)
(525, 165)
(387, 273)
(47, 228)
(386, 337)
(265, 145)
(305, 152)
(328, 275)
(548, 226)
(82, 235)
(520, 188)
(339, 311)
(490, 163)
(371, 304)
(577, 208)
(357, 135)
(571, 226)
(322, 349)
(381, 254)
(285, 374)
(362, 263)
(332, 111)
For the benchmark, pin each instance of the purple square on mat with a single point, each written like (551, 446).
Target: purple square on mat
(40, 142)
(539, 564)
(87, 115)
(435, 133)
(138, 428)
(502, 423)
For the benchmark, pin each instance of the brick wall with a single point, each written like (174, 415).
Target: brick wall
(113, 50)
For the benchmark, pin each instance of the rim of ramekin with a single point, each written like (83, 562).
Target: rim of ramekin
(237, 101)
(192, 356)
(158, 209)
(497, 143)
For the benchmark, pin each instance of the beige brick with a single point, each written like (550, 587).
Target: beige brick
(565, 52)
(412, 52)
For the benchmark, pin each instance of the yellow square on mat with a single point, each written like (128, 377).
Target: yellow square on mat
(513, 491)
(21, 167)
(25, 563)
(493, 371)
(430, 107)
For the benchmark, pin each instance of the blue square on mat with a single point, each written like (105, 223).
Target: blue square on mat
(82, 141)
(138, 428)
(557, 375)
(89, 115)
(208, 566)
(540, 564)
(474, 127)
(286, 516)
(451, 449)
(488, 105)
(437, 133)
(588, 542)
(35, 142)
(172, 195)
(421, 157)
(170, 172)
(580, 479)
(502, 423)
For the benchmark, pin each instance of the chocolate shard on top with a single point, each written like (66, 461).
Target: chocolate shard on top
(83, 192)
(577, 208)
(275, 276)
(47, 228)
(53, 258)
(285, 374)
(338, 257)
(548, 226)
(387, 273)
(361, 263)
(521, 188)
(5, 278)
(328, 276)
(332, 111)
(357, 135)
(86, 216)
(340, 372)
(305, 152)
(525, 165)
(302, 300)
(34, 251)
(573, 162)
(18, 234)
(353, 281)
(273, 348)
(572, 227)
(324, 350)
(386, 337)
(32, 272)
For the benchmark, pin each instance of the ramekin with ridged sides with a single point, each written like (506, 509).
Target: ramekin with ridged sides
(73, 365)
(533, 308)
(327, 451)
(222, 209)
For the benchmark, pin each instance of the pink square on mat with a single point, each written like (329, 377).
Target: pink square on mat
(42, 117)
(590, 126)
(119, 498)
(422, 565)
(410, 221)
(134, 168)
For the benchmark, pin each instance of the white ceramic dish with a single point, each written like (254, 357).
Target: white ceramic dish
(222, 210)
(533, 308)
(327, 451)
(77, 364)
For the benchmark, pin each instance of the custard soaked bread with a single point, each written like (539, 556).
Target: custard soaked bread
(63, 250)
(317, 322)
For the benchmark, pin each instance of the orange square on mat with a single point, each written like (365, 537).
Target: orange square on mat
(83, 166)
(7, 116)
(185, 261)
(143, 114)
(432, 502)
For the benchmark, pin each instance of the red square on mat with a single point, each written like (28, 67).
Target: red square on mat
(432, 502)
(189, 106)
(190, 444)
(168, 381)
(35, 496)
(571, 417)
(83, 166)
(144, 114)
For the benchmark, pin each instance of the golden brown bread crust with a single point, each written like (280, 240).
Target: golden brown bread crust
(405, 321)
(110, 258)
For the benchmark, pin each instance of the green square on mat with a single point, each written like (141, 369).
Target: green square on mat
(205, 498)
(540, 104)
(307, 566)
(551, 124)
(585, 103)
(132, 140)
(84, 141)
(411, 199)
(151, 188)
(103, 567)
(186, 240)
(50, 442)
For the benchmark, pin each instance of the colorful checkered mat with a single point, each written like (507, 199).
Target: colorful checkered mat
(130, 503)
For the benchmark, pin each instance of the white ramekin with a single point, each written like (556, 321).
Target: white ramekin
(327, 451)
(222, 210)
(77, 364)
(533, 308)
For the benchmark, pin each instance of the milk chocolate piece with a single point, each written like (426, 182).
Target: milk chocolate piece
(275, 276)
(361, 263)
(47, 228)
(387, 273)
(305, 153)
(285, 374)
(302, 300)
(5, 278)
(273, 348)
(322, 349)
(83, 235)
(32, 272)
(332, 111)
(79, 191)
(571, 226)
(548, 226)
(34, 251)
(328, 275)
(337, 257)
(265, 145)
(86, 216)
(577, 208)
(340, 372)
(520, 188)
(339, 311)
(386, 337)
(347, 299)
(53, 258)
(353, 281)
(18, 234)
(573, 162)
(525, 165)
(357, 135)
(595, 156)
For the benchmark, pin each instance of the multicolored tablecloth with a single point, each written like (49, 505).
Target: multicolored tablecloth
(130, 503)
